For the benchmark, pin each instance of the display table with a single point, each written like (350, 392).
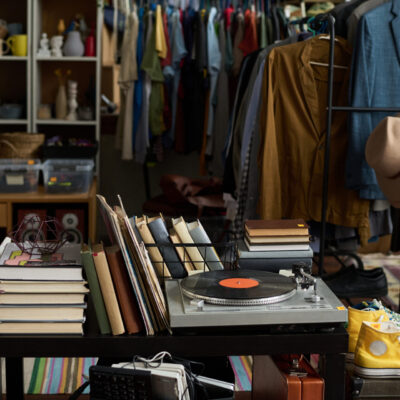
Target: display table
(8, 201)
(330, 343)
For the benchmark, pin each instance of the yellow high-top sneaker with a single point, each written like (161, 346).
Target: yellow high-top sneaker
(377, 352)
(356, 317)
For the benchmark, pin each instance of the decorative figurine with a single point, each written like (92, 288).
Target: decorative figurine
(72, 102)
(44, 46)
(56, 43)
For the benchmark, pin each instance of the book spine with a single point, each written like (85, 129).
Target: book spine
(107, 289)
(161, 236)
(207, 252)
(95, 292)
(126, 298)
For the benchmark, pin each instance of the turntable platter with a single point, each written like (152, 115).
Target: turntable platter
(241, 287)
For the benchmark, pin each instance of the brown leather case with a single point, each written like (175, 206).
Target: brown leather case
(126, 298)
(272, 381)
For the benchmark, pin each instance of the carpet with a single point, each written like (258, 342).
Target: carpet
(391, 265)
(53, 375)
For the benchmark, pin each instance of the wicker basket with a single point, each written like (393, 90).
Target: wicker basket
(21, 145)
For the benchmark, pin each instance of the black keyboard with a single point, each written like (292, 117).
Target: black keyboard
(107, 383)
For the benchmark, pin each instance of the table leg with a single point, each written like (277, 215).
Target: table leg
(15, 378)
(333, 371)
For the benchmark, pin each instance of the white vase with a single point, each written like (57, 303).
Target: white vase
(73, 46)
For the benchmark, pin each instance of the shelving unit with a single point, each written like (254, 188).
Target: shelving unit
(84, 70)
(15, 72)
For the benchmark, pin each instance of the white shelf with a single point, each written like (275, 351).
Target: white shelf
(13, 58)
(63, 122)
(13, 121)
(77, 59)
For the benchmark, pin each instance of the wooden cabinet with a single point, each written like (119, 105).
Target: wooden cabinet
(9, 202)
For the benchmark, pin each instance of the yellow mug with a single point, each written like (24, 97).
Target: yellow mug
(18, 45)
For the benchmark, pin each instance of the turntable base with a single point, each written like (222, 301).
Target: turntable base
(298, 309)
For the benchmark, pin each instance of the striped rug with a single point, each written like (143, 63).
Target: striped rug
(56, 375)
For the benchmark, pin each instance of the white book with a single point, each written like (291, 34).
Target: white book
(199, 235)
(277, 247)
(194, 254)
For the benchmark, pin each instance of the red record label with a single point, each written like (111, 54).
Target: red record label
(238, 283)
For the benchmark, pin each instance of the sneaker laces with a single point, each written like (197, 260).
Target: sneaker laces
(393, 316)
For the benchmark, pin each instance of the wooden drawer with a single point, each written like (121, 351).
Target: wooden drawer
(3, 215)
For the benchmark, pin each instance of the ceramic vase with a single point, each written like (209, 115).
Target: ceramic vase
(61, 103)
(73, 46)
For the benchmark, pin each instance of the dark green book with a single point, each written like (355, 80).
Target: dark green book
(95, 291)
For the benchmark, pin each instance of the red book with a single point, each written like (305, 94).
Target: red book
(126, 298)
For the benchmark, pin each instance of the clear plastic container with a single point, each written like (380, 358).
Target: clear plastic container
(67, 175)
(19, 175)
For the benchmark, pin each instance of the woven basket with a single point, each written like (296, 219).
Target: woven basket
(21, 145)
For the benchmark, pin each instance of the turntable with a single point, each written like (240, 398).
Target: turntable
(252, 298)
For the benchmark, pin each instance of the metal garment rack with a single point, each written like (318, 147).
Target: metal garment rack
(330, 108)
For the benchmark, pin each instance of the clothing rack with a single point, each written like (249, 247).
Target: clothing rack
(330, 108)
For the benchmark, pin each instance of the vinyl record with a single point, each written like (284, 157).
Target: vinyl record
(238, 287)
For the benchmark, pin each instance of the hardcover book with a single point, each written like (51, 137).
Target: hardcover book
(91, 275)
(126, 298)
(107, 290)
(276, 227)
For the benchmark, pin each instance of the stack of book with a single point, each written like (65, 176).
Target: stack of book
(41, 294)
(125, 279)
(275, 244)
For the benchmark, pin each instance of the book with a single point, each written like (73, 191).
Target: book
(244, 252)
(126, 298)
(107, 289)
(42, 313)
(276, 227)
(64, 328)
(277, 239)
(42, 298)
(154, 252)
(181, 229)
(43, 287)
(182, 252)
(161, 236)
(68, 254)
(98, 302)
(199, 235)
(117, 237)
(277, 247)
(71, 273)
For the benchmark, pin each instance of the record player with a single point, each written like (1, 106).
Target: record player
(252, 298)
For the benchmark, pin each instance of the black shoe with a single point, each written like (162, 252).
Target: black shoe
(359, 283)
(350, 270)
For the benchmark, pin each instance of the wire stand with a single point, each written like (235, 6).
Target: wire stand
(330, 108)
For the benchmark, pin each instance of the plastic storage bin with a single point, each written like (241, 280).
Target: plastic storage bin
(19, 175)
(67, 175)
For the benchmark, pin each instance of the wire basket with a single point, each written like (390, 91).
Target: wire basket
(194, 257)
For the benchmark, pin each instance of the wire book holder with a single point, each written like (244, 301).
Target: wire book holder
(227, 253)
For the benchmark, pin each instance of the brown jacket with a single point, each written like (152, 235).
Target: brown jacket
(293, 130)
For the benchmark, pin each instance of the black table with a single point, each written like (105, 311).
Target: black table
(330, 343)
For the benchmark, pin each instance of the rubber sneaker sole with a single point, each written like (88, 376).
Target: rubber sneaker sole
(379, 373)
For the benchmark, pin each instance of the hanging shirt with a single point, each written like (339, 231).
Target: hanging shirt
(237, 52)
(128, 75)
(250, 40)
(142, 135)
(160, 42)
(374, 83)
(138, 94)
(294, 131)
(214, 65)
